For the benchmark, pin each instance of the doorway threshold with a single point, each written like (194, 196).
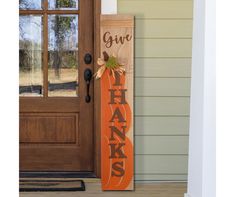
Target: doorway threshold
(28, 174)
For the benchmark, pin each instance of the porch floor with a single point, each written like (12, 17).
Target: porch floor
(93, 189)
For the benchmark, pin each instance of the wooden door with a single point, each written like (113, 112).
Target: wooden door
(56, 120)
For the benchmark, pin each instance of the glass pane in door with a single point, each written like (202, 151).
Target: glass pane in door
(30, 4)
(63, 4)
(30, 56)
(63, 55)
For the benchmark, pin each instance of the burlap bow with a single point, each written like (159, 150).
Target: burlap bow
(111, 63)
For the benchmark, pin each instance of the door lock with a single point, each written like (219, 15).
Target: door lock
(87, 78)
(88, 58)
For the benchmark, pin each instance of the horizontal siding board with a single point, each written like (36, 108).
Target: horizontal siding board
(161, 126)
(161, 177)
(163, 48)
(162, 87)
(148, 106)
(161, 144)
(157, 67)
(156, 8)
(163, 28)
(164, 164)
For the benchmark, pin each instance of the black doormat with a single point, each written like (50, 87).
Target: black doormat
(37, 185)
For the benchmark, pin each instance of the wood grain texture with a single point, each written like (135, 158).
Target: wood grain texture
(116, 38)
(52, 158)
(40, 105)
(49, 128)
(97, 94)
(86, 45)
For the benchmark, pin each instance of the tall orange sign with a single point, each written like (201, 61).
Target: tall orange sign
(116, 75)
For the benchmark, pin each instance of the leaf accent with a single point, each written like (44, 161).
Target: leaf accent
(109, 62)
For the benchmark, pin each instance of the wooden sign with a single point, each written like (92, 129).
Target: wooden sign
(117, 40)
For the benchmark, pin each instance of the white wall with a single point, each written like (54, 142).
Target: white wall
(108, 6)
(201, 175)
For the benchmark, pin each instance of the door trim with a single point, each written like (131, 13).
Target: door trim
(97, 116)
(57, 174)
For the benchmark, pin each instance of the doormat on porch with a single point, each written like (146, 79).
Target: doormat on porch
(37, 185)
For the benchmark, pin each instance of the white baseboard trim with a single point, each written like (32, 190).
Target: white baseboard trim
(186, 195)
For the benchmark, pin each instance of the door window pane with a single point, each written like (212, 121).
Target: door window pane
(63, 55)
(30, 4)
(30, 55)
(63, 4)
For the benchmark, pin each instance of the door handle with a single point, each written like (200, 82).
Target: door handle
(87, 78)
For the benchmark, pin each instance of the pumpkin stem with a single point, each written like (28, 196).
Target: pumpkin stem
(106, 56)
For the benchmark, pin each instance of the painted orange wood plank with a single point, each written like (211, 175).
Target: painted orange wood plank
(117, 105)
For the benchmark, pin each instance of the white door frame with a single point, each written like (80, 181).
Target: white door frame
(201, 169)
(109, 6)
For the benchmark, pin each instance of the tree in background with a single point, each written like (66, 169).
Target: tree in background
(62, 27)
